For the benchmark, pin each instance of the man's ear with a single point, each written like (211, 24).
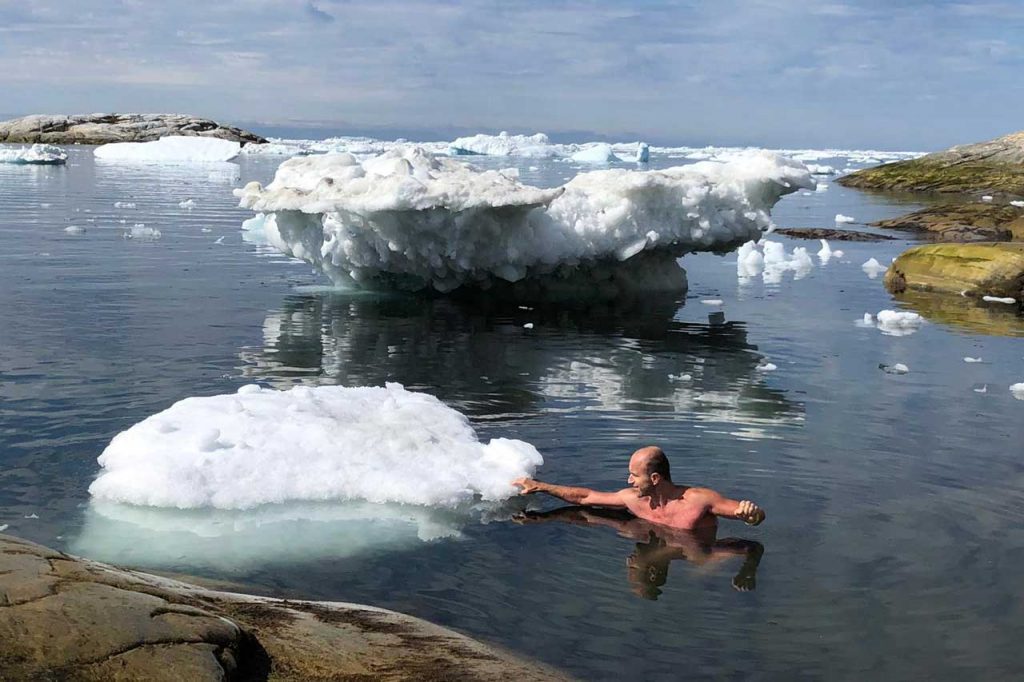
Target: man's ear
(655, 478)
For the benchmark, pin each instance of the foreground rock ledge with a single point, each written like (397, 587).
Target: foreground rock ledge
(993, 167)
(105, 128)
(65, 618)
(975, 269)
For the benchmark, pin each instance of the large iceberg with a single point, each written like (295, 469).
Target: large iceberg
(37, 154)
(324, 444)
(412, 220)
(173, 149)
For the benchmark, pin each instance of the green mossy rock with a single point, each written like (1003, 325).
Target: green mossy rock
(963, 222)
(974, 269)
(993, 167)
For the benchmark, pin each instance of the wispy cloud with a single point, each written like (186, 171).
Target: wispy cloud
(760, 71)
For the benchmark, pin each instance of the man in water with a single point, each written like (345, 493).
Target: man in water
(654, 497)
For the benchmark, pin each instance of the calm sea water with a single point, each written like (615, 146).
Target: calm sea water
(894, 546)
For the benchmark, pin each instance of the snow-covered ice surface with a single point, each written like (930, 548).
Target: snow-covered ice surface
(411, 220)
(37, 154)
(330, 443)
(173, 149)
(531, 146)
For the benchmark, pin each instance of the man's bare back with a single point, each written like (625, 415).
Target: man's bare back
(653, 497)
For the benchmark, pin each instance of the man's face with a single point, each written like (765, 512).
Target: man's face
(639, 478)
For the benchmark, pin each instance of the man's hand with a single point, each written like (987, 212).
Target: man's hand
(527, 485)
(749, 513)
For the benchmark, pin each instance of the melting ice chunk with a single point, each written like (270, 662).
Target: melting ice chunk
(375, 444)
(873, 268)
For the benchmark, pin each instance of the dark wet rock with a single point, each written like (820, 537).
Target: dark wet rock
(828, 233)
(105, 128)
(65, 618)
(974, 270)
(971, 221)
(993, 167)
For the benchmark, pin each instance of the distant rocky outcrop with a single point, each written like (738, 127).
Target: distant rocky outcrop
(974, 270)
(963, 222)
(993, 167)
(829, 233)
(106, 128)
(64, 618)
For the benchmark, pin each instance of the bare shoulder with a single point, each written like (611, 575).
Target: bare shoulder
(698, 493)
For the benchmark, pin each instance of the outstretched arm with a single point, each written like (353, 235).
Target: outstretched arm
(573, 495)
(743, 510)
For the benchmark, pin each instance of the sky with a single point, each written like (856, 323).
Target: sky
(871, 74)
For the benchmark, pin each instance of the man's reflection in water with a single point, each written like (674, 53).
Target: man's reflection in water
(657, 546)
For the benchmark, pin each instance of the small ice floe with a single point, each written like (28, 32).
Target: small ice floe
(525, 307)
(898, 368)
(124, 204)
(969, 359)
(821, 187)
(680, 377)
(140, 231)
(773, 262)
(1018, 391)
(983, 389)
(528, 325)
(1018, 204)
(74, 229)
(898, 322)
(987, 198)
(873, 268)
(220, 240)
(36, 155)
(188, 204)
(766, 367)
(643, 152)
(206, 229)
(32, 516)
(840, 218)
(999, 299)
(3, 527)
(45, 205)
(712, 301)
(825, 253)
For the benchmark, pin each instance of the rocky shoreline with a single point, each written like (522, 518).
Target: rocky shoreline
(67, 618)
(105, 128)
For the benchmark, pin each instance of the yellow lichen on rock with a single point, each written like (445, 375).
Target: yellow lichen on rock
(974, 269)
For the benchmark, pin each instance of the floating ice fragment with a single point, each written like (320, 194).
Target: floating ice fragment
(74, 229)
(173, 149)
(598, 153)
(528, 325)
(1018, 391)
(998, 299)
(825, 253)
(986, 198)
(32, 516)
(187, 203)
(376, 444)
(679, 377)
(140, 231)
(36, 155)
(766, 367)
(898, 368)
(124, 204)
(1018, 204)
(4, 527)
(643, 152)
(821, 187)
(873, 268)
(983, 389)
(219, 240)
(206, 229)
(712, 301)
(970, 359)
(840, 218)
(838, 254)
(898, 323)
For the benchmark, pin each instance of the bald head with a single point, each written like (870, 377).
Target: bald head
(652, 460)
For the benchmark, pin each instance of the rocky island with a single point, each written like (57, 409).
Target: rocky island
(106, 128)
